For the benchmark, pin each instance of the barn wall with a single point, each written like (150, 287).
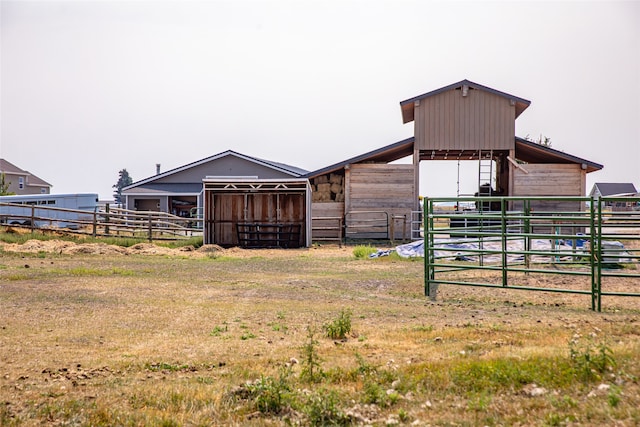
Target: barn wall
(324, 228)
(480, 120)
(380, 187)
(545, 179)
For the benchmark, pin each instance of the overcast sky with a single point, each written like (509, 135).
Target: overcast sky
(92, 87)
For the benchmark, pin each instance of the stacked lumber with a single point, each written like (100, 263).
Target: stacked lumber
(328, 188)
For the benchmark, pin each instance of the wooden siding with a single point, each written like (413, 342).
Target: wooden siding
(545, 179)
(549, 180)
(225, 210)
(380, 188)
(449, 121)
(324, 220)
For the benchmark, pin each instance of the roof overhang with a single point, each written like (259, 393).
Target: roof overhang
(386, 154)
(532, 152)
(408, 106)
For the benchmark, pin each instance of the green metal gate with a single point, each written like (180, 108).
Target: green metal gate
(516, 237)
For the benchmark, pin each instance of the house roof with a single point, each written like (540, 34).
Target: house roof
(614, 188)
(9, 168)
(408, 105)
(165, 189)
(287, 169)
(386, 154)
(532, 152)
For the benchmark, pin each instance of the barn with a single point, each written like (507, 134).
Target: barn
(469, 121)
(253, 202)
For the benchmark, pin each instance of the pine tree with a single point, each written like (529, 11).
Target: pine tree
(124, 179)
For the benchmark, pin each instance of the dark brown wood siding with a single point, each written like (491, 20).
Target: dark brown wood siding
(225, 210)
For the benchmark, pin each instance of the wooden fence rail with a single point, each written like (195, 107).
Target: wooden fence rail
(112, 222)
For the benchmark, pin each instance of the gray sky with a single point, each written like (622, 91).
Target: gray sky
(91, 87)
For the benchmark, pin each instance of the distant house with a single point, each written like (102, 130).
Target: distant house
(618, 190)
(22, 182)
(180, 190)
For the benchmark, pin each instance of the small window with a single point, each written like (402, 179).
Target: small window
(20, 182)
(43, 190)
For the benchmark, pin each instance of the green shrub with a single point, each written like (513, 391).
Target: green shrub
(271, 395)
(363, 251)
(322, 409)
(590, 359)
(339, 328)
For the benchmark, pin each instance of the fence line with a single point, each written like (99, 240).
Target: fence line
(107, 222)
(589, 242)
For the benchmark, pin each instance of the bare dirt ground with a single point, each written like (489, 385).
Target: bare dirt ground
(93, 334)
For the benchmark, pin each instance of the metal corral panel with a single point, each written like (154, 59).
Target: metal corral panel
(465, 120)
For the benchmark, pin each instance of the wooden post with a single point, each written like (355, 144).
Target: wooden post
(150, 229)
(95, 223)
(106, 219)
(33, 218)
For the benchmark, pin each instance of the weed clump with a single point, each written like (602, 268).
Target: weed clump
(363, 251)
(339, 328)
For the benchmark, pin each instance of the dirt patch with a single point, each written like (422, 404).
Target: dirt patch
(71, 248)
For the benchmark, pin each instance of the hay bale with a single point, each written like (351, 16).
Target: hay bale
(334, 178)
(336, 188)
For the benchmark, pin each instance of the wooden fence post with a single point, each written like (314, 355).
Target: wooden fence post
(106, 219)
(95, 224)
(150, 229)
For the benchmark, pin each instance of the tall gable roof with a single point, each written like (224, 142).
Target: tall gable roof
(9, 168)
(280, 167)
(408, 106)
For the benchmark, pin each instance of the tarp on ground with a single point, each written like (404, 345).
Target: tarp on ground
(464, 250)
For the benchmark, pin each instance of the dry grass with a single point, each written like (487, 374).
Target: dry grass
(169, 337)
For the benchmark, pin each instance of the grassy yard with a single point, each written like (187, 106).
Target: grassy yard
(302, 337)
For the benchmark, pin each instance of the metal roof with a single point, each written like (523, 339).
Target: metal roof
(290, 170)
(614, 188)
(164, 189)
(408, 106)
(386, 154)
(532, 152)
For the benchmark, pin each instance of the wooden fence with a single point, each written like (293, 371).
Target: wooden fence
(111, 222)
